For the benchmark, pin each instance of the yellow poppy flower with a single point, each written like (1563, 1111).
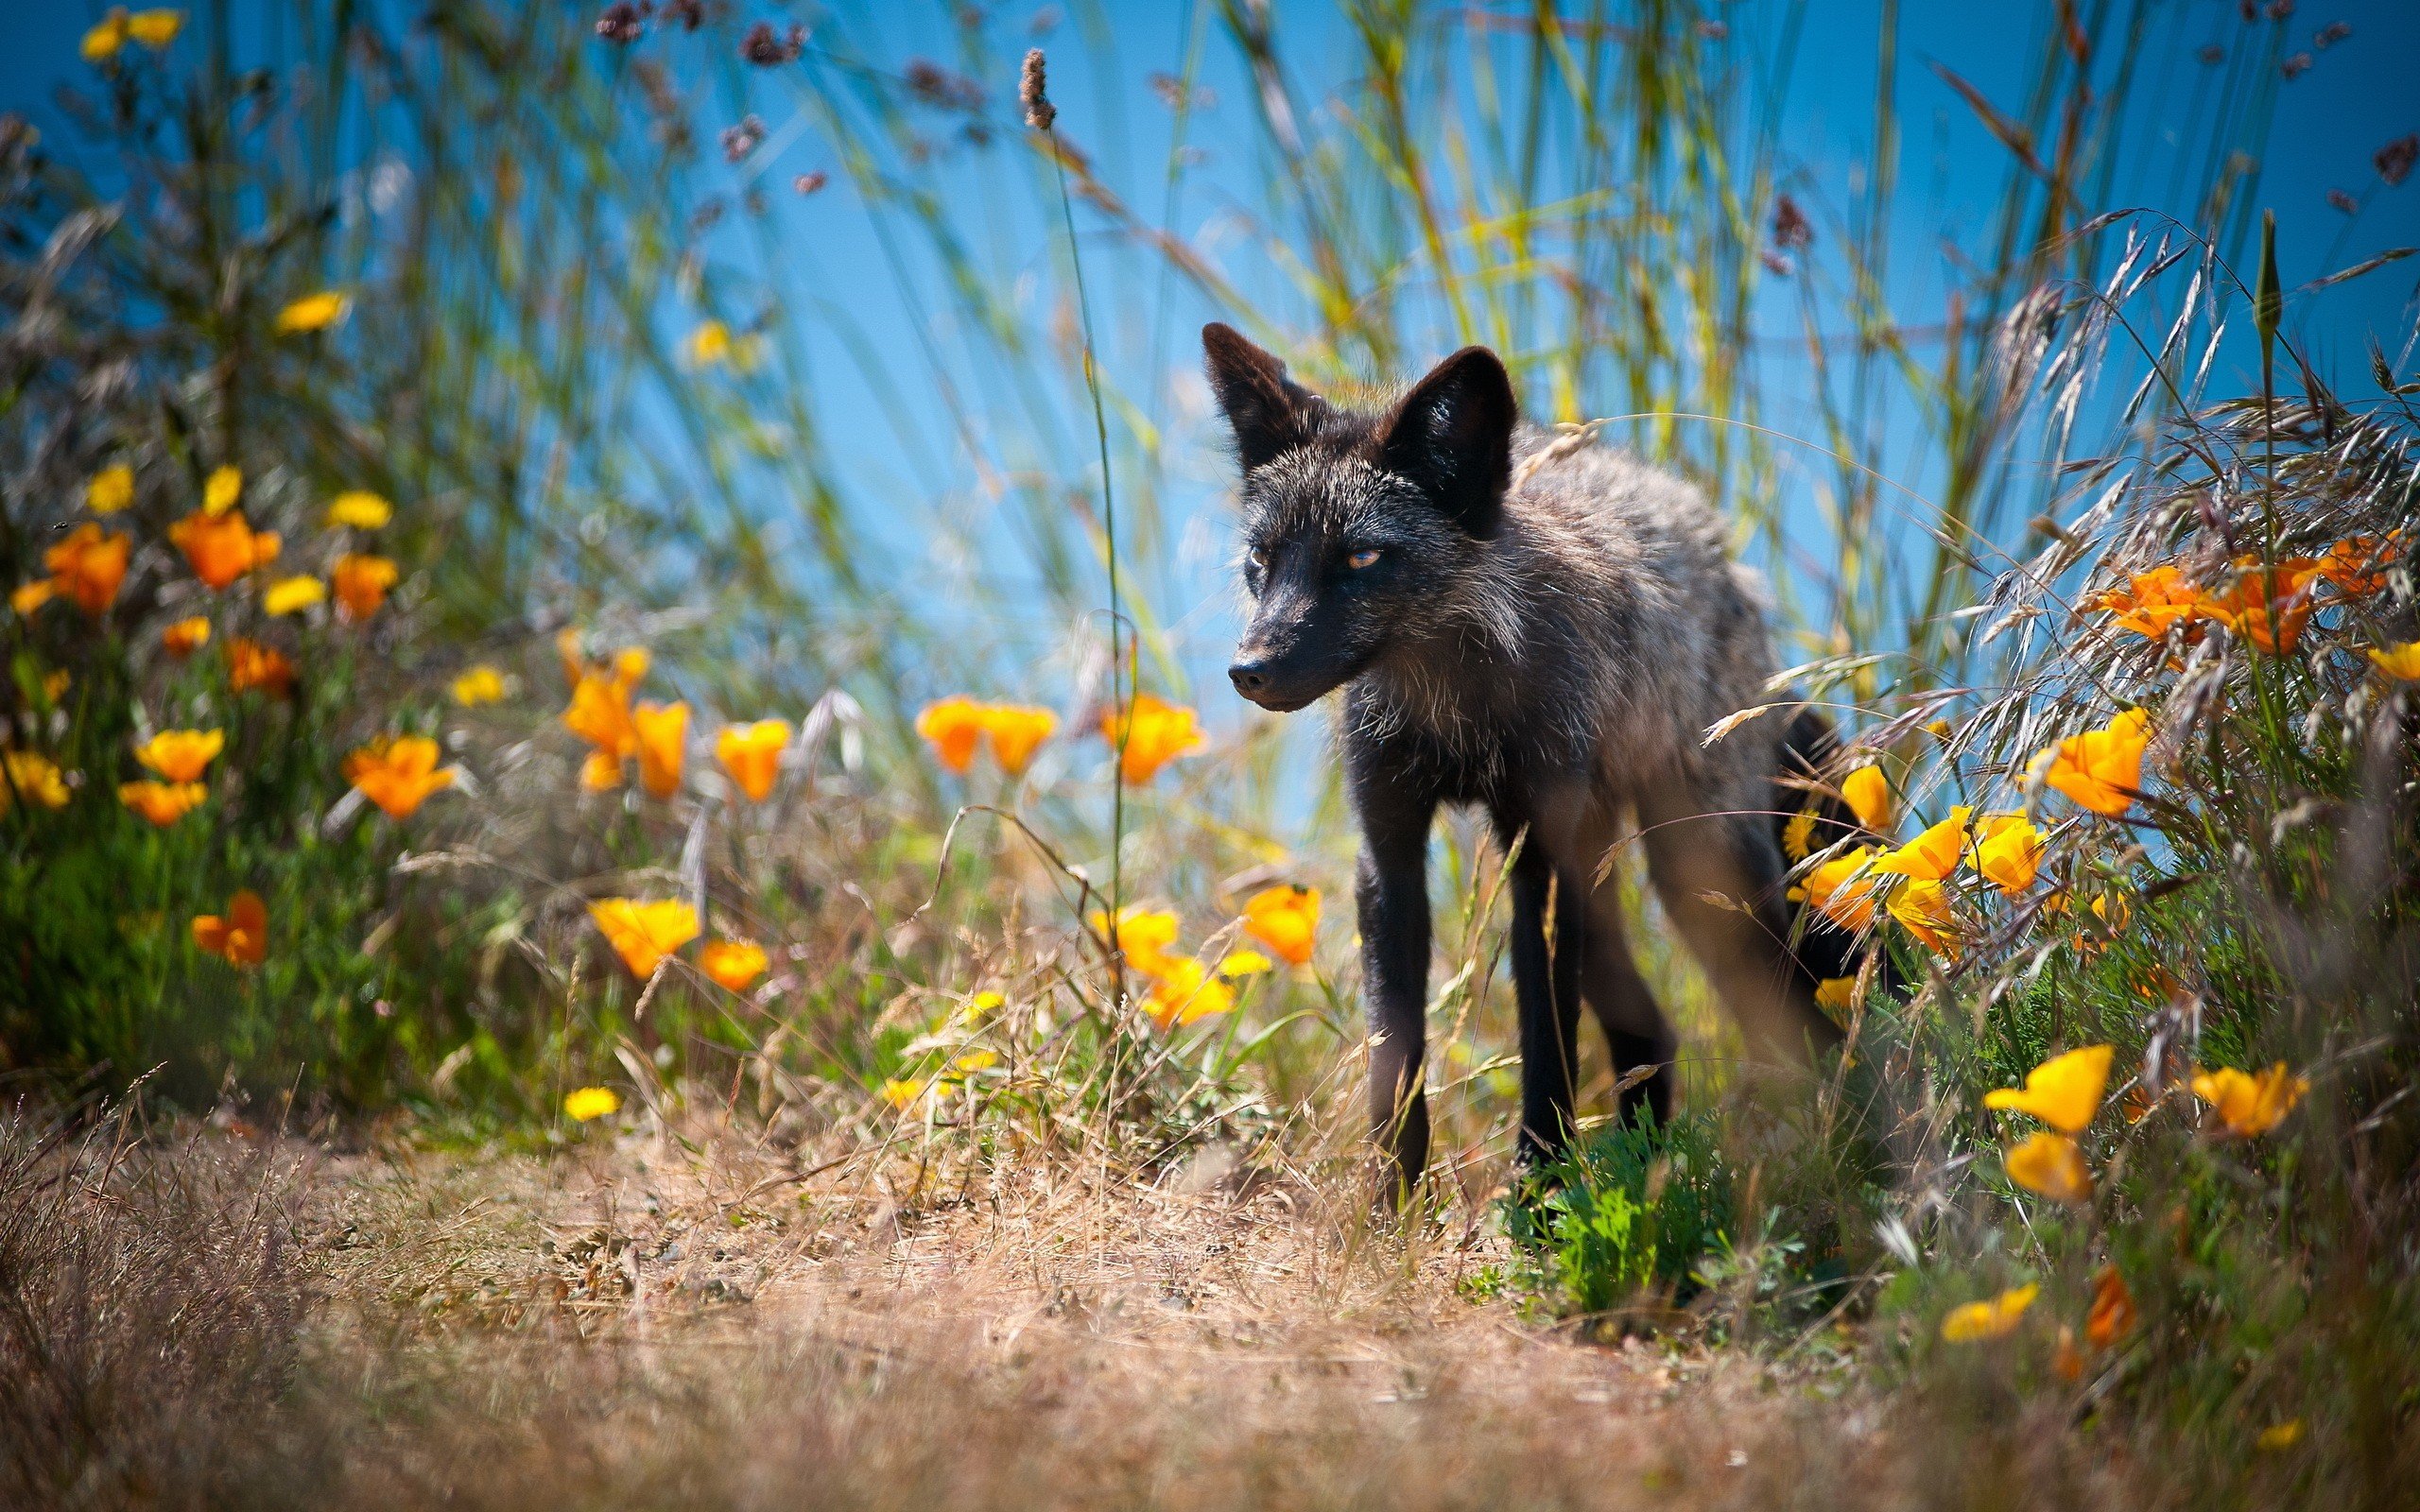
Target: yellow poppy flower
(361, 583)
(28, 597)
(1867, 792)
(1151, 734)
(2101, 769)
(710, 343)
(1143, 935)
(2401, 662)
(1016, 732)
(180, 755)
(359, 508)
(1829, 889)
(1922, 907)
(240, 936)
(155, 29)
(588, 1104)
(2051, 1164)
(975, 1060)
(642, 933)
(752, 755)
(291, 596)
(250, 664)
(106, 36)
(1286, 918)
(2278, 1437)
(163, 803)
(398, 775)
(222, 491)
(1183, 992)
(2250, 1105)
(2008, 852)
(88, 565)
(955, 726)
(1933, 855)
(480, 684)
(2112, 1316)
(110, 490)
(34, 778)
(1245, 963)
(221, 548)
(185, 637)
(733, 963)
(663, 730)
(313, 312)
(1836, 993)
(903, 1093)
(1995, 1319)
(2064, 1091)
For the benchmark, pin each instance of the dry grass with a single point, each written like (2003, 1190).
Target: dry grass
(225, 1319)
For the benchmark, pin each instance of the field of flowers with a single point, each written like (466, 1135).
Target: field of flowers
(427, 787)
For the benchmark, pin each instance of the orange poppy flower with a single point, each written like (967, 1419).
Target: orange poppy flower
(2008, 852)
(1184, 993)
(1867, 792)
(751, 754)
(250, 664)
(27, 597)
(643, 933)
(397, 774)
(1971, 1322)
(1922, 907)
(663, 732)
(2358, 565)
(163, 803)
(1149, 734)
(241, 934)
(222, 547)
(2064, 1091)
(2112, 1316)
(34, 776)
(2050, 1164)
(361, 583)
(185, 636)
(954, 726)
(1016, 730)
(2250, 1105)
(1933, 855)
(2267, 606)
(600, 711)
(1144, 936)
(1829, 889)
(1286, 918)
(2151, 602)
(2101, 769)
(733, 963)
(180, 755)
(88, 565)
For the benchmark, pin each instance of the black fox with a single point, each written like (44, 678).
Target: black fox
(1546, 631)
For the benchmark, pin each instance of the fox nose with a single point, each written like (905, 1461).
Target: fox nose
(1250, 677)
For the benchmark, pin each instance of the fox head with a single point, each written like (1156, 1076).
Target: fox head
(1357, 524)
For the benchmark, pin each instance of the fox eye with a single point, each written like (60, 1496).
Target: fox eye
(1258, 556)
(1360, 560)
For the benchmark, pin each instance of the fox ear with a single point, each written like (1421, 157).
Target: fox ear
(1267, 411)
(1453, 436)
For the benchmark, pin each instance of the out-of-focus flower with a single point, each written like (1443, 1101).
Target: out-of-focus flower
(954, 726)
(2250, 1105)
(33, 777)
(27, 597)
(2358, 565)
(1830, 890)
(106, 37)
(2280, 1436)
(397, 774)
(1245, 963)
(2112, 1316)
(480, 684)
(314, 312)
(663, 730)
(752, 755)
(186, 636)
(2151, 602)
(361, 583)
(240, 936)
(224, 548)
(600, 714)
(1867, 792)
(733, 963)
(588, 1104)
(222, 490)
(2008, 852)
(708, 345)
(903, 1092)
(1149, 734)
(1933, 855)
(1016, 732)
(1286, 918)
(2051, 1164)
(1183, 992)
(2266, 605)
(155, 29)
(88, 565)
(1995, 1319)
(291, 596)
(182, 755)
(1798, 836)
(2401, 662)
(973, 1061)
(250, 664)
(2064, 1091)
(2101, 769)
(642, 933)
(1922, 908)
(110, 490)
(1837, 994)
(1143, 935)
(54, 684)
(359, 508)
(163, 803)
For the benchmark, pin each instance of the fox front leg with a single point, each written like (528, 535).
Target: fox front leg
(1392, 892)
